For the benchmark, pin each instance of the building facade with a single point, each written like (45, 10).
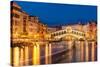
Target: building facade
(24, 25)
(16, 20)
(90, 29)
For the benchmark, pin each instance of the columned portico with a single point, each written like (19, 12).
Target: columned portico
(21, 56)
(26, 55)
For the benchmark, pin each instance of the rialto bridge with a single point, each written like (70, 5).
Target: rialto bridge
(25, 51)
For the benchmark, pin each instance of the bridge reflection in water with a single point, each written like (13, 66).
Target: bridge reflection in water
(53, 52)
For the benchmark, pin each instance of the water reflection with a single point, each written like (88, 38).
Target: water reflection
(53, 52)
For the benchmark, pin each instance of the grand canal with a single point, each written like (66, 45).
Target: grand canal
(45, 52)
(56, 40)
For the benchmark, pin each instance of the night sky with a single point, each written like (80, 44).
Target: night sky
(54, 14)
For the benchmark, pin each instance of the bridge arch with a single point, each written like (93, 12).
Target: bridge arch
(68, 32)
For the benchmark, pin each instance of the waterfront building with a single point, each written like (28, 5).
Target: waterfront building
(16, 20)
(78, 26)
(32, 26)
(24, 25)
(92, 30)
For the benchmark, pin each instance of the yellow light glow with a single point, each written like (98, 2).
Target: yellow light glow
(16, 56)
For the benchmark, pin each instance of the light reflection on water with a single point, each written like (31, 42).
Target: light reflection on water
(56, 52)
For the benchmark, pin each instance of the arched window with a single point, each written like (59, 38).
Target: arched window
(72, 31)
(77, 33)
(60, 33)
(64, 32)
(57, 34)
(53, 34)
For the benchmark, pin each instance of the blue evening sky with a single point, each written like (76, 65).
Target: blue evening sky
(59, 14)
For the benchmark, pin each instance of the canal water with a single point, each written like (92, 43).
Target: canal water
(54, 52)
